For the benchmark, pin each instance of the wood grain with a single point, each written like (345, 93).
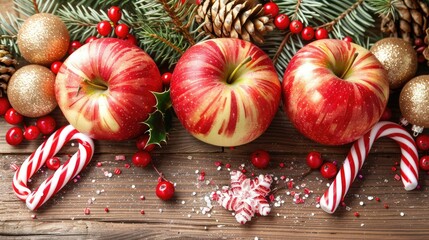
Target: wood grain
(182, 218)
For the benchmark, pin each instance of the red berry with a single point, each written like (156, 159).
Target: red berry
(422, 142)
(4, 105)
(104, 28)
(296, 26)
(282, 21)
(55, 66)
(321, 33)
(328, 170)
(198, 2)
(348, 39)
(141, 159)
(260, 158)
(166, 78)
(424, 163)
(165, 190)
(314, 160)
(419, 42)
(13, 117)
(46, 124)
(307, 33)
(90, 39)
(74, 45)
(387, 114)
(131, 39)
(31, 132)
(114, 13)
(271, 8)
(14, 136)
(121, 30)
(141, 143)
(53, 163)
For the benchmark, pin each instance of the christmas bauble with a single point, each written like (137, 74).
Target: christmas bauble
(414, 101)
(31, 91)
(399, 59)
(43, 38)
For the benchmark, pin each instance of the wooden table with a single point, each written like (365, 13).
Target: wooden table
(398, 215)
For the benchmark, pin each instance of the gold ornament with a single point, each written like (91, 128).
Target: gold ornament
(31, 91)
(399, 59)
(43, 39)
(414, 102)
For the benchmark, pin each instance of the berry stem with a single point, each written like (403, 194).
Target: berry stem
(244, 62)
(349, 65)
(301, 177)
(159, 173)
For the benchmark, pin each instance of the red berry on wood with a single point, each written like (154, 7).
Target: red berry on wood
(55, 66)
(307, 33)
(90, 39)
(348, 39)
(141, 159)
(165, 190)
(328, 170)
(4, 105)
(53, 163)
(166, 78)
(282, 21)
(121, 30)
(141, 143)
(296, 26)
(14, 136)
(271, 8)
(424, 163)
(260, 158)
(13, 117)
(114, 13)
(31, 132)
(387, 114)
(321, 33)
(314, 160)
(104, 28)
(422, 142)
(46, 124)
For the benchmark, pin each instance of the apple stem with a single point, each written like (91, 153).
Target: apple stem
(244, 62)
(95, 85)
(349, 64)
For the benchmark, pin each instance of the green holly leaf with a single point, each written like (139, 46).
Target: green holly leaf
(159, 121)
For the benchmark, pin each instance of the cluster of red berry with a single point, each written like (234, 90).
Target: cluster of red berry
(315, 161)
(422, 143)
(15, 135)
(283, 22)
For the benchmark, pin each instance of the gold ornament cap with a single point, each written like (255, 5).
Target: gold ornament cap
(414, 101)
(398, 57)
(43, 39)
(31, 91)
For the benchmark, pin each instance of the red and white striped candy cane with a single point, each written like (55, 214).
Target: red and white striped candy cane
(356, 157)
(62, 175)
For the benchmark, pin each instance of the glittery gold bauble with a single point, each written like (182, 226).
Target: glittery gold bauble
(414, 101)
(399, 59)
(31, 91)
(43, 39)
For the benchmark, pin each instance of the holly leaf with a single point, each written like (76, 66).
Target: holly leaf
(158, 121)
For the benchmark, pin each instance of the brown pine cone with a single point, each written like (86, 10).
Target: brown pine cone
(7, 68)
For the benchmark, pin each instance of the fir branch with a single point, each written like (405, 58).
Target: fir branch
(167, 42)
(9, 26)
(36, 8)
(177, 21)
(385, 7)
(27, 8)
(330, 24)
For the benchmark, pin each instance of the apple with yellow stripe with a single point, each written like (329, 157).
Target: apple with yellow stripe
(334, 91)
(225, 91)
(104, 89)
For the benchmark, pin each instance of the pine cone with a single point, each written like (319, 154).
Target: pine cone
(426, 50)
(234, 18)
(7, 68)
(413, 19)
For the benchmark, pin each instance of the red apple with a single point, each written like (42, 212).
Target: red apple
(104, 89)
(334, 91)
(225, 91)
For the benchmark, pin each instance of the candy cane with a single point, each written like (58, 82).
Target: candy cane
(62, 175)
(356, 157)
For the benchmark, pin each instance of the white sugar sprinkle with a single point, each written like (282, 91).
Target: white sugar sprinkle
(402, 214)
(361, 203)
(133, 186)
(370, 198)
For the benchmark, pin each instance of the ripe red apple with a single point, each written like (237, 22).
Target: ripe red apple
(225, 91)
(104, 89)
(334, 91)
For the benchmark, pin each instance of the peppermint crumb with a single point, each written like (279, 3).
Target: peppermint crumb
(34, 216)
(109, 174)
